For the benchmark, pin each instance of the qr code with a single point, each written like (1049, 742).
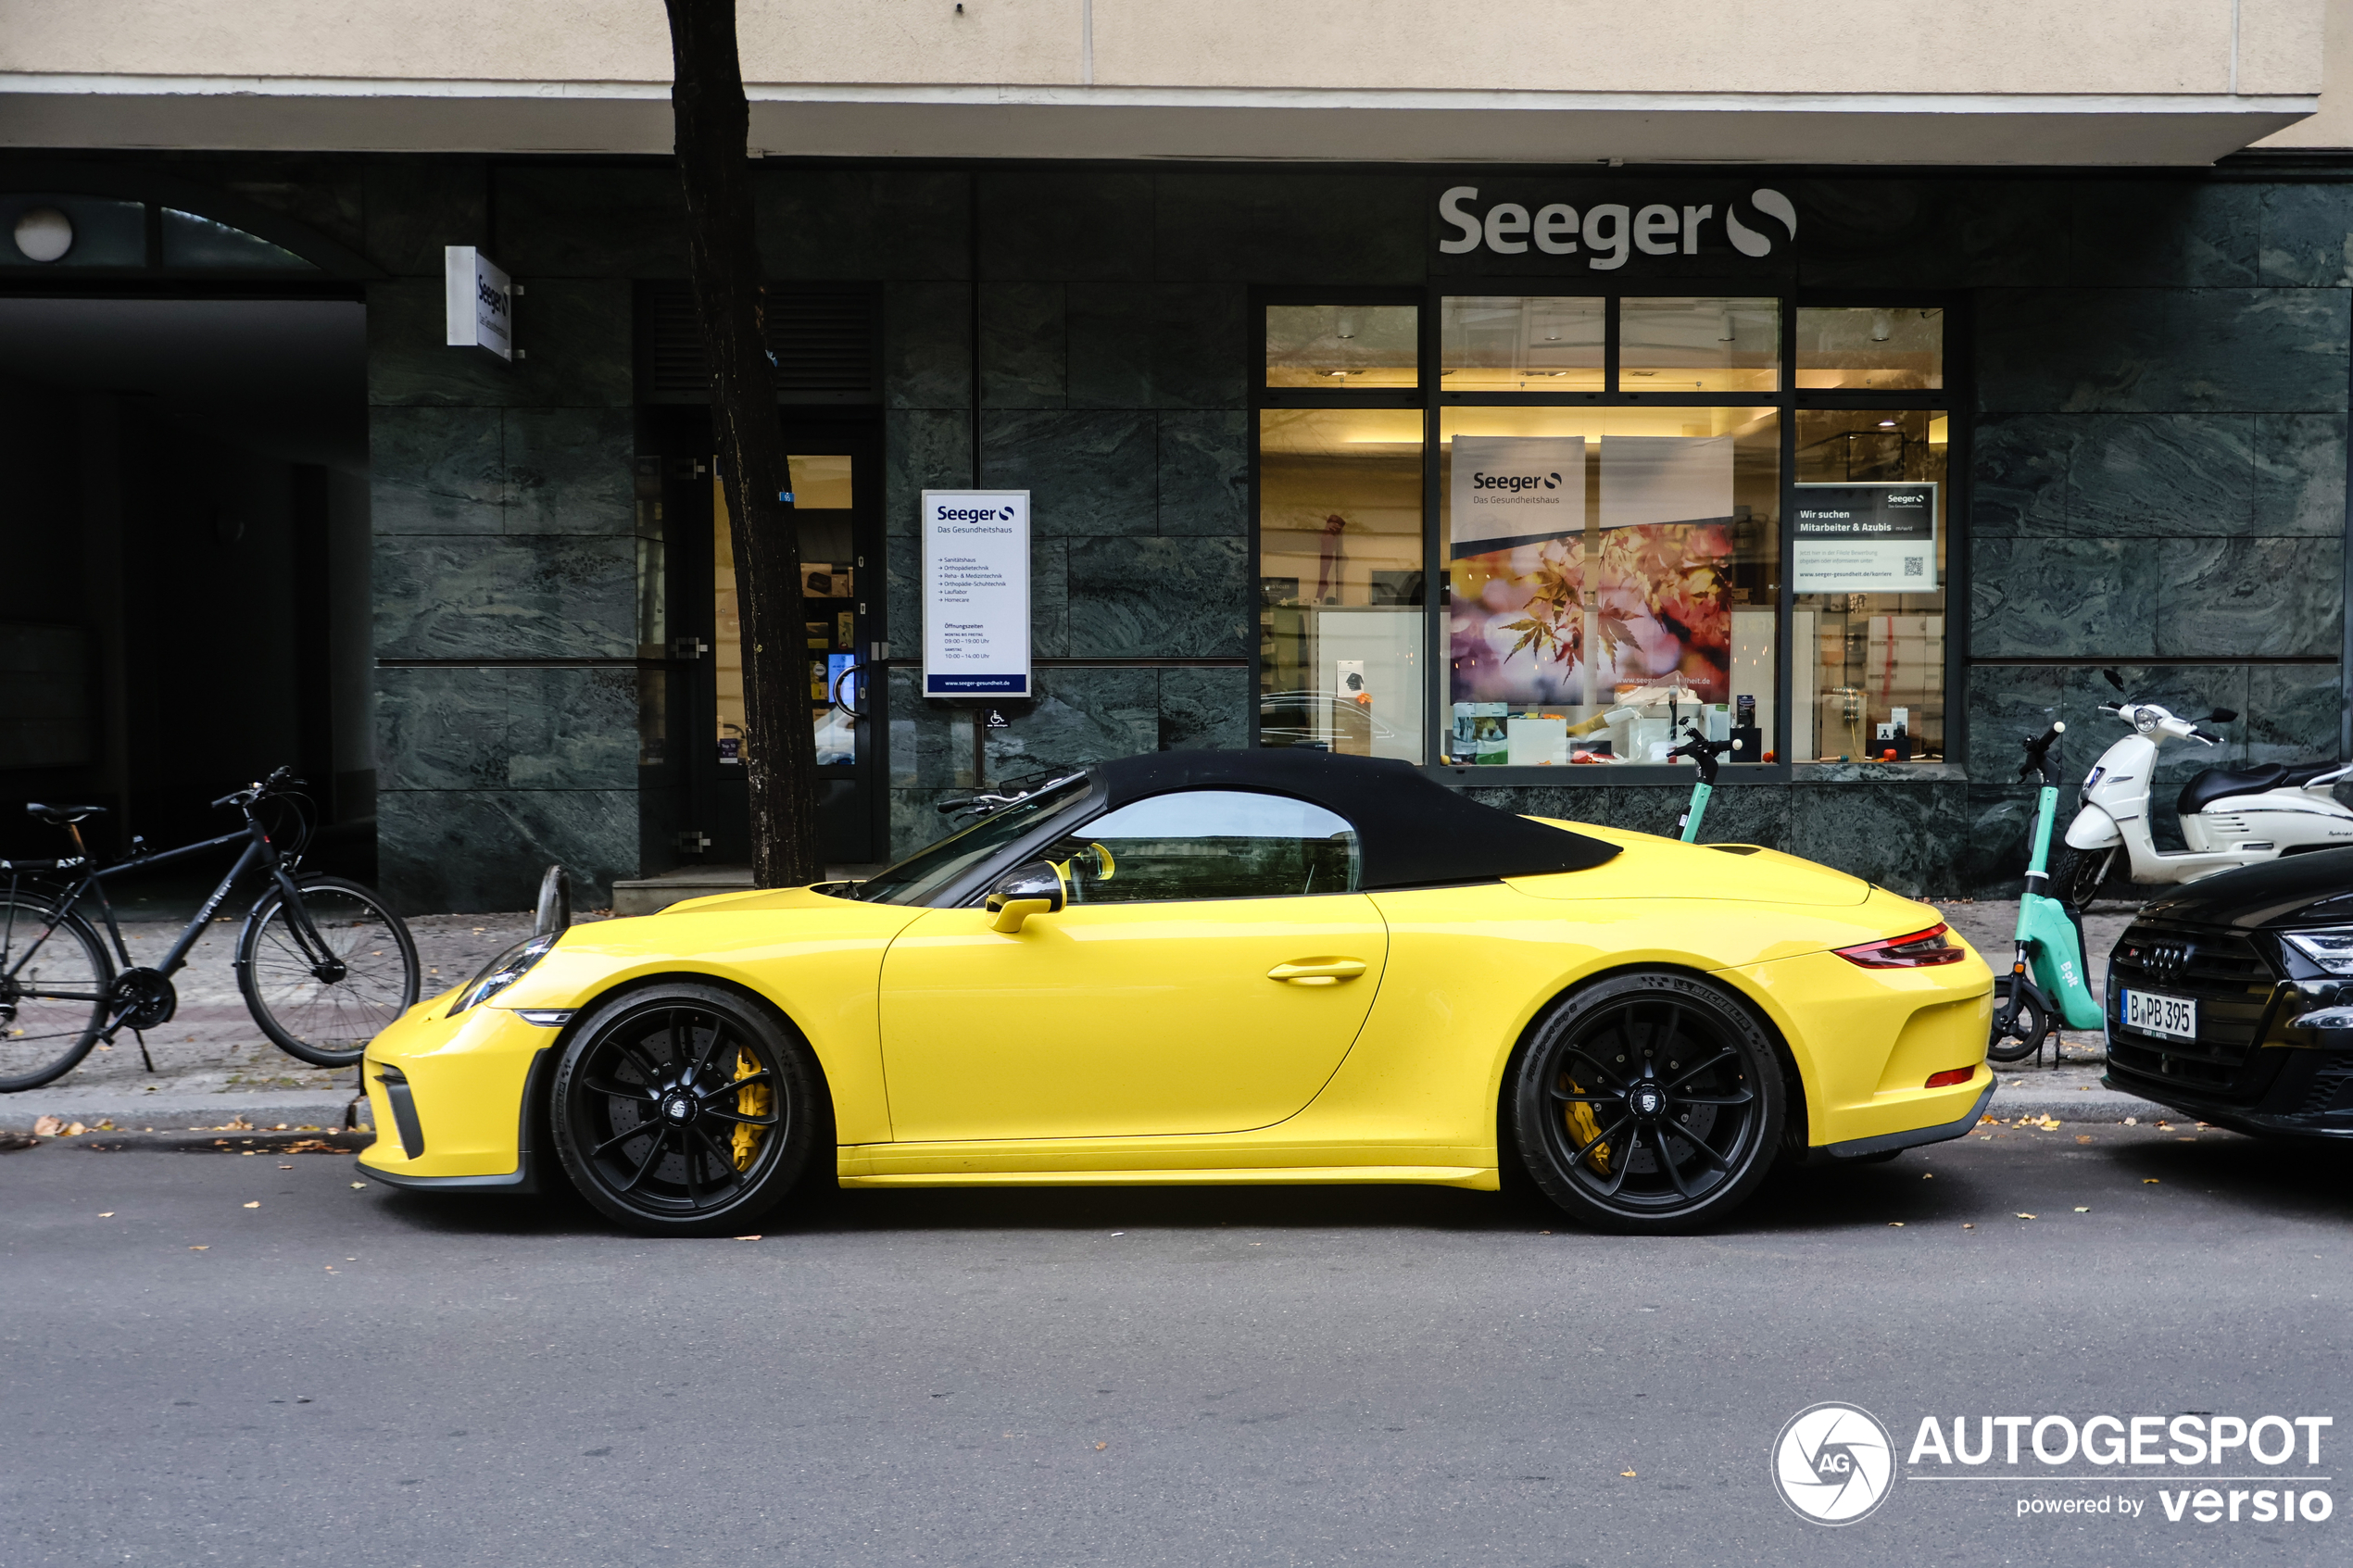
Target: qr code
(1912, 565)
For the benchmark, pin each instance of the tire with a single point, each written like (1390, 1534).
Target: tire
(55, 979)
(650, 1124)
(2077, 875)
(1650, 1102)
(2027, 1031)
(327, 1020)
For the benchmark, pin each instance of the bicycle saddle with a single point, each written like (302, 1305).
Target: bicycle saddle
(60, 815)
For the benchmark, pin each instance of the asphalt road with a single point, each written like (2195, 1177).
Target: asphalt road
(1379, 1375)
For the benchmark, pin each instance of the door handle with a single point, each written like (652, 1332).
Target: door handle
(1318, 972)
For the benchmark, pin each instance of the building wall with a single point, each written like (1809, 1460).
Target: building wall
(2160, 448)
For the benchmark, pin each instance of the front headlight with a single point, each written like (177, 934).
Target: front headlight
(503, 971)
(2333, 950)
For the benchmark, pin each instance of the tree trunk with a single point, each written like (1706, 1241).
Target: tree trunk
(713, 123)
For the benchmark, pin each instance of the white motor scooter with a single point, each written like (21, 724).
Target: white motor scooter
(2230, 817)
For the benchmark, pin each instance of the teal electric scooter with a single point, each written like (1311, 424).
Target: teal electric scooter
(1703, 753)
(2047, 981)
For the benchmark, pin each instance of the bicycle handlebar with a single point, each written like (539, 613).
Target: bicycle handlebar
(282, 778)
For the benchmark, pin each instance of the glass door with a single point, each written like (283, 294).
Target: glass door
(836, 489)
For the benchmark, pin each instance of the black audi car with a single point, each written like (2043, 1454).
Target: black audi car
(2231, 999)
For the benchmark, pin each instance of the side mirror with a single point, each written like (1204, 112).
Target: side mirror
(1035, 889)
(2222, 716)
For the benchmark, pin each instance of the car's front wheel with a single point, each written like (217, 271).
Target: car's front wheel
(684, 1110)
(1648, 1102)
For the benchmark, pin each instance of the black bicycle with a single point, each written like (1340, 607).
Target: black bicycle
(323, 963)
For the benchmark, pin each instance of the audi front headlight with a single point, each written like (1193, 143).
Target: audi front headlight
(2333, 950)
(503, 971)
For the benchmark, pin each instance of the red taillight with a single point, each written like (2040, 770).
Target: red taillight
(1918, 950)
(1946, 1080)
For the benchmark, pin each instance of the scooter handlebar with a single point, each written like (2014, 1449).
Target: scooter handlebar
(2038, 755)
(1704, 753)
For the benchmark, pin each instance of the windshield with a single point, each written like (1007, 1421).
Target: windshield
(924, 873)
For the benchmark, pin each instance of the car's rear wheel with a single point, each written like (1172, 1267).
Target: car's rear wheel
(1649, 1101)
(684, 1110)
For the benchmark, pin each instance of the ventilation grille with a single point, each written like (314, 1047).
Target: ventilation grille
(823, 336)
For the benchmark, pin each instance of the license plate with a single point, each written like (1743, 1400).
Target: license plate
(2153, 1014)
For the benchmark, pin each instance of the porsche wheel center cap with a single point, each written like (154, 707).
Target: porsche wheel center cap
(678, 1109)
(1647, 1099)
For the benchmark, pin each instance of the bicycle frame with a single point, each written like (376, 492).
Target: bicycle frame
(259, 851)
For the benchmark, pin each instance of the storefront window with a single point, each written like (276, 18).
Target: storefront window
(1632, 529)
(1336, 348)
(1688, 346)
(1612, 576)
(1874, 349)
(1869, 559)
(1523, 344)
(1339, 580)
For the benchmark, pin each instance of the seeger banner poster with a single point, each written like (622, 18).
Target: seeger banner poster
(1865, 539)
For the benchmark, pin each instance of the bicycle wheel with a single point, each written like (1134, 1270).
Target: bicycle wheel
(325, 1011)
(55, 978)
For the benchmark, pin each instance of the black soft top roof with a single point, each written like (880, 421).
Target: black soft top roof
(1411, 830)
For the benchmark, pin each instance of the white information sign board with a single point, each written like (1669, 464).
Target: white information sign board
(976, 593)
(1864, 539)
(480, 298)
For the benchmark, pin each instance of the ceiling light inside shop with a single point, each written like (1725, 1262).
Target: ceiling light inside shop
(1883, 326)
(1887, 424)
(44, 234)
(1345, 328)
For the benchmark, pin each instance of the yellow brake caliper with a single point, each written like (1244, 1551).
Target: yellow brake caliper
(753, 1100)
(1584, 1128)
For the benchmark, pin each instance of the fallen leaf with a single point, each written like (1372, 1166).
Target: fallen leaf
(2026, 1216)
(358, 1187)
(2082, 1137)
(2149, 1181)
(1627, 1474)
(285, 1167)
(746, 1237)
(1928, 1175)
(2132, 1120)
(2049, 1123)
(47, 1127)
(206, 1247)
(1101, 1447)
(1967, 1226)
(2082, 1208)
(255, 1204)
(1895, 1224)
(106, 1213)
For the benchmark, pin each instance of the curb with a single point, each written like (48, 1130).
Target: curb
(178, 1112)
(217, 1142)
(2080, 1105)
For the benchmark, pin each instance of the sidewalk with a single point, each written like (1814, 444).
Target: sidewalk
(214, 1067)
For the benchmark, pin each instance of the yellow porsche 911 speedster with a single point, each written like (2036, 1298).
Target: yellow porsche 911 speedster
(1196, 967)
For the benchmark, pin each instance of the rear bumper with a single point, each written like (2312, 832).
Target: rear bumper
(1887, 1143)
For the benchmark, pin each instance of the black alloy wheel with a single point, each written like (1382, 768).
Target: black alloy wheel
(684, 1110)
(2027, 1028)
(1651, 1101)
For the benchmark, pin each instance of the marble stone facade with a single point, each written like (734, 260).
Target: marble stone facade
(2155, 443)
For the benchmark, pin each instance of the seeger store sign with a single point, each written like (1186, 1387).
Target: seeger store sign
(1606, 227)
(976, 592)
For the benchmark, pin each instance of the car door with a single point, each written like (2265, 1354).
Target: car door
(1212, 965)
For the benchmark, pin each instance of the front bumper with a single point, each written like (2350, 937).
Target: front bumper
(2307, 1094)
(454, 1100)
